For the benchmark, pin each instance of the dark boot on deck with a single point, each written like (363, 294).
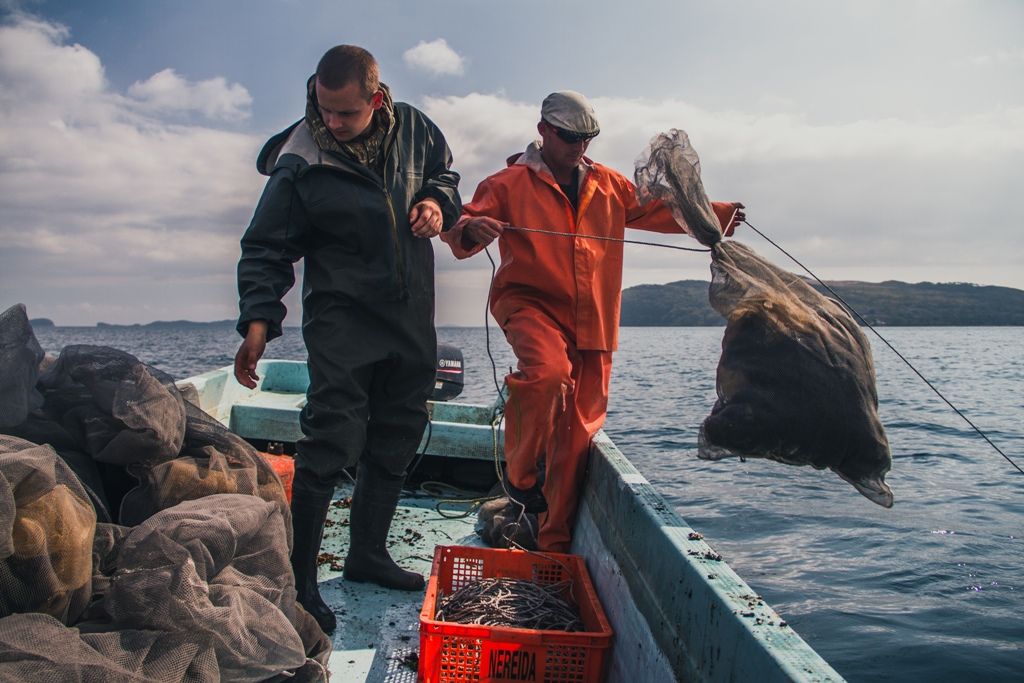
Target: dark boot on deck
(532, 499)
(310, 502)
(374, 502)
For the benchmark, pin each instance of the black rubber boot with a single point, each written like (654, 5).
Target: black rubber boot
(310, 502)
(374, 502)
(532, 499)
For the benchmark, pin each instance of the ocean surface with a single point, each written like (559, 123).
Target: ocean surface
(930, 590)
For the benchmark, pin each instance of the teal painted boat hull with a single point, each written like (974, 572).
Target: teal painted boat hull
(679, 611)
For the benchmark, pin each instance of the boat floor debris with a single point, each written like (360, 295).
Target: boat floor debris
(378, 629)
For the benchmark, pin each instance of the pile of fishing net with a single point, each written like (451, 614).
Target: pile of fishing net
(795, 381)
(139, 539)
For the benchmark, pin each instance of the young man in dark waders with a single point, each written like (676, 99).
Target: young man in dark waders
(557, 299)
(357, 188)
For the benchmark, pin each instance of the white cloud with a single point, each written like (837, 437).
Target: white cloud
(999, 58)
(35, 61)
(94, 182)
(435, 58)
(483, 129)
(215, 98)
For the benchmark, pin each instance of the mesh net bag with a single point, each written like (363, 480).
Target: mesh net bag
(500, 523)
(200, 592)
(795, 381)
(20, 355)
(38, 648)
(138, 446)
(212, 460)
(669, 170)
(216, 568)
(46, 533)
(120, 410)
(40, 428)
(198, 587)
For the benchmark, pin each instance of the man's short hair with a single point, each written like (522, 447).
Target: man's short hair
(344, 64)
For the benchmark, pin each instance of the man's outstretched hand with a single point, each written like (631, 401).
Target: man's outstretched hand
(250, 352)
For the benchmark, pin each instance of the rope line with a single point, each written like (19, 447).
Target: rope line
(487, 328)
(891, 347)
(601, 237)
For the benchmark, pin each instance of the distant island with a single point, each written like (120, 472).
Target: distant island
(685, 304)
(176, 324)
(898, 304)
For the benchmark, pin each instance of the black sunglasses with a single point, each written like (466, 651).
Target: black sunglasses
(569, 137)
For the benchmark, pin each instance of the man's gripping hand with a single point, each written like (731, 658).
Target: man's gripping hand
(426, 218)
(483, 230)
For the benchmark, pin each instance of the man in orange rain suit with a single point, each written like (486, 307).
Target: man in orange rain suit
(557, 299)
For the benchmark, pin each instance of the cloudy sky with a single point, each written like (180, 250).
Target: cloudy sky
(874, 139)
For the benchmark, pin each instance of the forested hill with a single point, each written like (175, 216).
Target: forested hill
(685, 304)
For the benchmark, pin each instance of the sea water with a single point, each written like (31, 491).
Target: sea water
(930, 590)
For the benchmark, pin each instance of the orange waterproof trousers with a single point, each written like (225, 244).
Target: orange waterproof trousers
(557, 402)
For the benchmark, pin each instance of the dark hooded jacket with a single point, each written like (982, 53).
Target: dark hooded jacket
(350, 224)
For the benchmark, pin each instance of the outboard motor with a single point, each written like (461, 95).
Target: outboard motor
(449, 380)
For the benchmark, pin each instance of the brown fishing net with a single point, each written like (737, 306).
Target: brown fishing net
(194, 584)
(202, 591)
(212, 460)
(795, 381)
(46, 533)
(137, 446)
(120, 410)
(20, 355)
(216, 568)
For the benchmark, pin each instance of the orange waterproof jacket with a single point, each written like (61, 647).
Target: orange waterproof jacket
(578, 282)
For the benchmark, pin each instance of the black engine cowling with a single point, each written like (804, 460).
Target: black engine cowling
(449, 380)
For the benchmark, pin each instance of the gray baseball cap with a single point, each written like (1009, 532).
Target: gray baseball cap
(569, 110)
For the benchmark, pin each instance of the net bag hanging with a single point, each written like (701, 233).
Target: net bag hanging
(795, 381)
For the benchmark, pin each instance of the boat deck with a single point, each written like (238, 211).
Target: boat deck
(378, 629)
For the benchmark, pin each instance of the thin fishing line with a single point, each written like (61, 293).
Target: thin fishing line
(891, 347)
(500, 413)
(600, 237)
(521, 518)
(487, 328)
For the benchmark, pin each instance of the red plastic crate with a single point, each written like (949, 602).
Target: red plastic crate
(468, 653)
